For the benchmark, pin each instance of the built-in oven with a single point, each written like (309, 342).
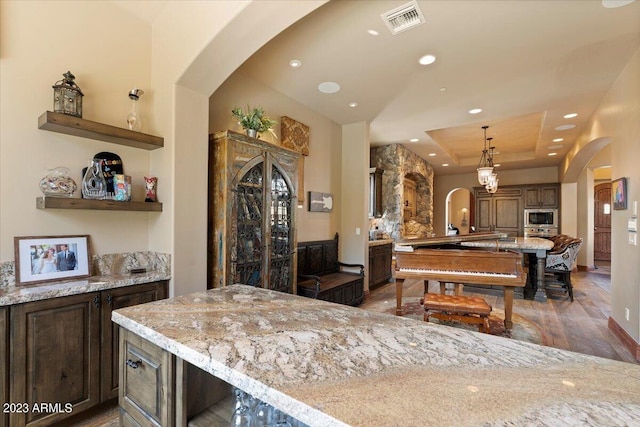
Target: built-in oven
(540, 222)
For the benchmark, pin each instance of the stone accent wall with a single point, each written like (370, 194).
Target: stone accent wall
(399, 162)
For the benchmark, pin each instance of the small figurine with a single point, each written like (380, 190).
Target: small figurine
(150, 186)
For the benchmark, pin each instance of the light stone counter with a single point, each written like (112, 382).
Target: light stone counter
(10, 295)
(329, 365)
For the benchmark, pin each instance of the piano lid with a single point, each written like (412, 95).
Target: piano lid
(408, 245)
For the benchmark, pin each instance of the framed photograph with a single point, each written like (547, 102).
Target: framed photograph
(51, 258)
(619, 193)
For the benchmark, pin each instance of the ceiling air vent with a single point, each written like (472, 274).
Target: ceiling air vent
(403, 18)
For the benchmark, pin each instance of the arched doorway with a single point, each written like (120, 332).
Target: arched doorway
(459, 210)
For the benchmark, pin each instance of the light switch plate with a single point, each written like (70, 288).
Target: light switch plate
(632, 239)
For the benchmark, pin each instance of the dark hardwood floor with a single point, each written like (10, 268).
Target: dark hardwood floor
(580, 326)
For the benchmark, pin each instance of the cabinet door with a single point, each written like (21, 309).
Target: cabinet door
(55, 357)
(147, 382)
(542, 196)
(484, 215)
(4, 367)
(549, 197)
(112, 300)
(531, 198)
(508, 215)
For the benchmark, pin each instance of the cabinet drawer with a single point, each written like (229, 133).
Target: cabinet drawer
(146, 381)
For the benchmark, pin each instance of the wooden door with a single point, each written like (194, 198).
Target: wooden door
(602, 222)
(114, 299)
(55, 357)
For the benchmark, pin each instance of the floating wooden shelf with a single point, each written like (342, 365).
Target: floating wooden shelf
(109, 205)
(70, 125)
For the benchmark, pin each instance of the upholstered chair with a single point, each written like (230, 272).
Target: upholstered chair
(561, 260)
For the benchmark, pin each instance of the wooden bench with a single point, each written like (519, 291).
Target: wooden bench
(321, 275)
(472, 310)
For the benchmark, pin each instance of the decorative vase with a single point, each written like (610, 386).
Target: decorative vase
(252, 133)
(94, 185)
(133, 119)
(58, 183)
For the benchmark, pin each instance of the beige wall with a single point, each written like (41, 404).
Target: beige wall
(321, 168)
(109, 51)
(617, 118)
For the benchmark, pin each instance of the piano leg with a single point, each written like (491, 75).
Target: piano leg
(399, 283)
(508, 307)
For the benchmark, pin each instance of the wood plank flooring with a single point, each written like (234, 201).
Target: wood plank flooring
(579, 326)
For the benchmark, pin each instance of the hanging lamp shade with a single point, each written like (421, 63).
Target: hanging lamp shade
(492, 185)
(485, 166)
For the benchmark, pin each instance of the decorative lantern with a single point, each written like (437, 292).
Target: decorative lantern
(67, 96)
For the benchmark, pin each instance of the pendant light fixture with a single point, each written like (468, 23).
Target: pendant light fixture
(485, 166)
(492, 185)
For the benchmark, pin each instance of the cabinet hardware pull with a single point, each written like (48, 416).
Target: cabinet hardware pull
(133, 364)
(96, 301)
(109, 300)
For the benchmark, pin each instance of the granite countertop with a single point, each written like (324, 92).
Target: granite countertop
(11, 295)
(333, 365)
(379, 242)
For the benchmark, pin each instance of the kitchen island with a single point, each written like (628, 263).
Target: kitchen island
(333, 365)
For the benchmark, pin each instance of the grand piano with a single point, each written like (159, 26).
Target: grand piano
(444, 260)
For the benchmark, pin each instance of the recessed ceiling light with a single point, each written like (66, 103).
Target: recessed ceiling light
(414, 140)
(552, 154)
(443, 89)
(328, 87)
(475, 111)
(445, 164)
(295, 63)
(555, 147)
(427, 59)
(570, 115)
(353, 104)
(373, 32)
(432, 154)
(612, 4)
(565, 127)
(496, 165)
(558, 140)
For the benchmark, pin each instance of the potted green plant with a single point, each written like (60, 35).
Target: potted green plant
(253, 120)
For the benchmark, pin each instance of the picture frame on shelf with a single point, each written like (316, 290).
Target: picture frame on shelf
(619, 193)
(42, 259)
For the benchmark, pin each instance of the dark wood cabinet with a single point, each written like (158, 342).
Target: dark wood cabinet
(147, 378)
(542, 196)
(4, 364)
(55, 357)
(375, 192)
(252, 209)
(64, 351)
(379, 264)
(501, 211)
(114, 299)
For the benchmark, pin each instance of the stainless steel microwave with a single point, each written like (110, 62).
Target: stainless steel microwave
(541, 218)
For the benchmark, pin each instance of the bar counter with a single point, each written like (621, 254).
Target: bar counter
(332, 365)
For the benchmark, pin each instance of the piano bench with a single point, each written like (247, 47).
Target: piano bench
(471, 310)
